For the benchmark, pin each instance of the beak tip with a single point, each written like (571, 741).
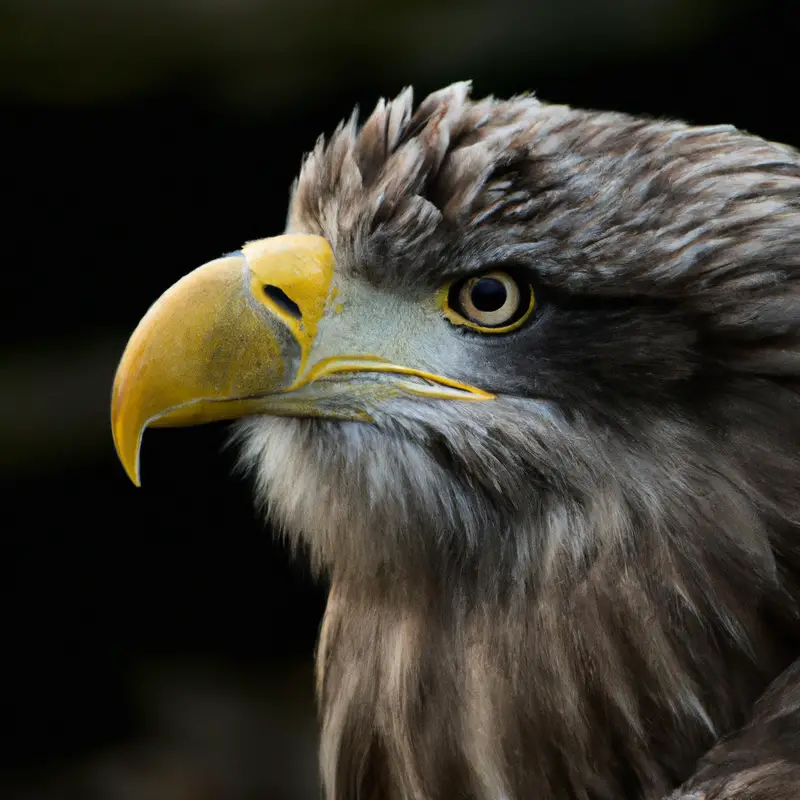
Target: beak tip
(127, 438)
(133, 474)
(128, 457)
(131, 467)
(130, 463)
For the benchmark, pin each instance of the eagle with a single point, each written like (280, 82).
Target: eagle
(523, 381)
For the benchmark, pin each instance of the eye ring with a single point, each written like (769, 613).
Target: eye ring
(491, 302)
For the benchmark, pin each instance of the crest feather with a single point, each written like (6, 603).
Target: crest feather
(389, 169)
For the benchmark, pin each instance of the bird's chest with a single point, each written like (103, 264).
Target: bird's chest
(502, 706)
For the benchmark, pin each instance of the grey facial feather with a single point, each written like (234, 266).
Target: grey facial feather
(571, 591)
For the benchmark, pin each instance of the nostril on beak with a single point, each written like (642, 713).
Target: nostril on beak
(282, 300)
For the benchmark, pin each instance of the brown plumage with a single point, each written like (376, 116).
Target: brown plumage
(574, 602)
(575, 591)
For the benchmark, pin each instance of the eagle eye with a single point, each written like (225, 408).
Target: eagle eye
(493, 302)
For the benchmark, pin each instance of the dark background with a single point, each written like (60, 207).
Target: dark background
(157, 643)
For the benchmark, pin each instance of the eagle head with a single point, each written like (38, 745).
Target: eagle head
(523, 380)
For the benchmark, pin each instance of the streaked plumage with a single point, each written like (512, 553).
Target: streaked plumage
(575, 590)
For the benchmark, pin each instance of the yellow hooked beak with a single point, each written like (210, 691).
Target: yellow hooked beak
(233, 338)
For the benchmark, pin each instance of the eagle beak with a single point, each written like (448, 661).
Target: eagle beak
(220, 339)
(234, 338)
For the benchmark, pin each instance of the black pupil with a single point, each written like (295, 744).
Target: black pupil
(488, 294)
